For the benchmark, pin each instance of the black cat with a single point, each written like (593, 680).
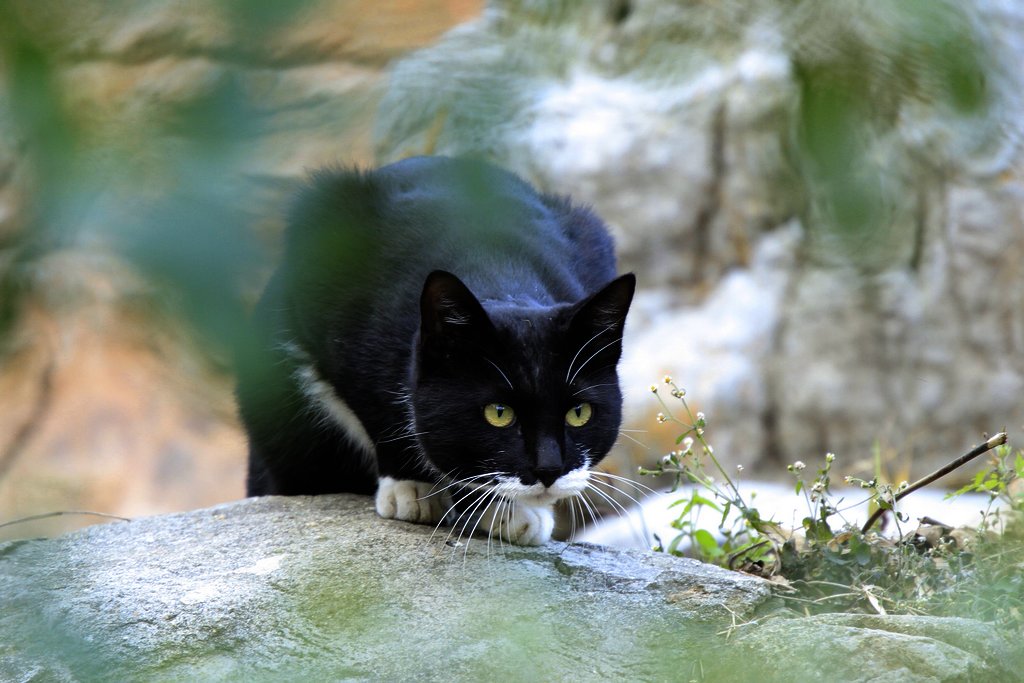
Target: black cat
(442, 334)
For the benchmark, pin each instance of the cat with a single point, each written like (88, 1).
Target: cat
(443, 336)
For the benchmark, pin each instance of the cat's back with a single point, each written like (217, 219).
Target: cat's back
(390, 227)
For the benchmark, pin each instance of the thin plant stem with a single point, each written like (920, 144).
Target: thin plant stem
(997, 440)
(46, 515)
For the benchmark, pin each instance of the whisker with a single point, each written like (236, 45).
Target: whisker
(613, 488)
(646, 490)
(402, 436)
(585, 344)
(620, 508)
(490, 529)
(644, 535)
(595, 515)
(580, 369)
(453, 506)
(464, 513)
(503, 375)
(595, 386)
(634, 440)
(572, 517)
(451, 531)
(506, 518)
(490, 497)
(462, 482)
(510, 512)
(472, 512)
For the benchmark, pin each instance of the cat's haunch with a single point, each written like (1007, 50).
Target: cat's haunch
(442, 334)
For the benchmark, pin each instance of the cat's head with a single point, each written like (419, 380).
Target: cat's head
(524, 397)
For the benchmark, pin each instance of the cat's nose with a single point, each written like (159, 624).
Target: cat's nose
(548, 465)
(547, 475)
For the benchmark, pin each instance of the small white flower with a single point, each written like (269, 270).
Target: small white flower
(654, 389)
(661, 417)
(739, 468)
(667, 459)
(687, 443)
(700, 417)
(799, 465)
(668, 379)
(829, 457)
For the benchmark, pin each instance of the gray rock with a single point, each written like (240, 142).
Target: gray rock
(860, 648)
(321, 588)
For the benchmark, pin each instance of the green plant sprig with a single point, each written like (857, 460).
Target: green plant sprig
(830, 567)
(694, 427)
(748, 535)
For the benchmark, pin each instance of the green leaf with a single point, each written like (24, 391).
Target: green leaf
(708, 544)
(673, 547)
(701, 500)
(725, 513)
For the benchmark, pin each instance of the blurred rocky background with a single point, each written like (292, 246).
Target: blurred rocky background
(824, 205)
(147, 150)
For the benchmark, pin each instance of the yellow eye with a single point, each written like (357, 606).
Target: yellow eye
(579, 415)
(499, 414)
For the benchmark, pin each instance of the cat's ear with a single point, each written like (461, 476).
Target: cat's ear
(449, 312)
(598, 322)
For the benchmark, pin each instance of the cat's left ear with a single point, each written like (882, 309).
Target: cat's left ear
(449, 312)
(599, 321)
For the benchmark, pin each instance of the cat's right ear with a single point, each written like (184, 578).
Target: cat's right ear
(449, 312)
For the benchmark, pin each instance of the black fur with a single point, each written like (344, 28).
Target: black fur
(422, 292)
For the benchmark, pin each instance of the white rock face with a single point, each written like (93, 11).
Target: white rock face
(824, 208)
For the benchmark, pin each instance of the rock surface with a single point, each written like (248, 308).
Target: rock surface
(857, 648)
(322, 589)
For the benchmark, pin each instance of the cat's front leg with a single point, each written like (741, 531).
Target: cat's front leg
(524, 524)
(409, 500)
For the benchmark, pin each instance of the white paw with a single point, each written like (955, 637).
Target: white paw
(409, 500)
(527, 525)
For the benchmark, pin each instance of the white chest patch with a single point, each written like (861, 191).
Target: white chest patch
(326, 400)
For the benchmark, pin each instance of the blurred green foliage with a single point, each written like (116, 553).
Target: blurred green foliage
(857, 86)
(189, 231)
